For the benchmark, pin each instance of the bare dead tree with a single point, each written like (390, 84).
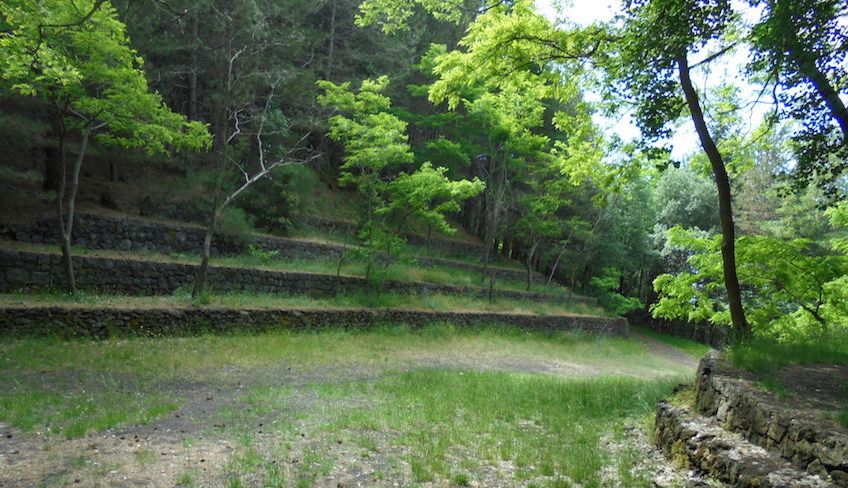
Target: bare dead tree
(262, 168)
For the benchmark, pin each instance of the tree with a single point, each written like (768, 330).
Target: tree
(782, 278)
(653, 66)
(74, 57)
(799, 48)
(546, 194)
(376, 151)
(252, 134)
(687, 199)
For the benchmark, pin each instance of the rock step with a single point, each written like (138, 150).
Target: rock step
(797, 434)
(704, 446)
(136, 276)
(95, 231)
(89, 321)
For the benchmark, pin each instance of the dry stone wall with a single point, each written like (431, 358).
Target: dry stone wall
(703, 445)
(802, 437)
(711, 335)
(130, 234)
(103, 322)
(24, 269)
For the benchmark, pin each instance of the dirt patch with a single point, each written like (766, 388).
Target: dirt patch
(818, 386)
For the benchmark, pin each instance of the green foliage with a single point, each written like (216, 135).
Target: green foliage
(84, 68)
(374, 139)
(262, 255)
(236, 225)
(794, 288)
(656, 34)
(273, 203)
(426, 195)
(376, 148)
(764, 355)
(687, 199)
(606, 287)
(839, 218)
(798, 48)
(393, 15)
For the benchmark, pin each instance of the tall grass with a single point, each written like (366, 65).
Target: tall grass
(764, 355)
(387, 345)
(182, 298)
(546, 428)
(75, 387)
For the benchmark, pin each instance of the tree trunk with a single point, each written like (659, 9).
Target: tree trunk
(203, 269)
(192, 76)
(66, 217)
(827, 92)
(807, 65)
(331, 42)
(728, 244)
(556, 262)
(114, 175)
(529, 262)
(325, 168)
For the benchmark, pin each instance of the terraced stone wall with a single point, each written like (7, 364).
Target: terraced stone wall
(102, 322)
(708, 334)
(23, 269)
(129, 234)
(807, 440)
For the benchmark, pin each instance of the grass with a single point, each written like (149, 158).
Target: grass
(437, 403)
(543, 427)
(75, 408)
(842, 417)
(408, 270)
(386, 346)
(182, 298)
(762, 355)
(694, 349)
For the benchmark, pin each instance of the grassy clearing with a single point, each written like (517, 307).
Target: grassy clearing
(390, 346)
(762, 355)
(435, 301)
(400, 271)
(450, 405)
(694, 349)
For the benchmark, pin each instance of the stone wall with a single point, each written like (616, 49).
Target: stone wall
(702, 446)
(103, 322)
(24, 269)
(802, 437)
(131, 234)
(708, 334)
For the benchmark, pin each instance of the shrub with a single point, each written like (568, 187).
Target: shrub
(236, 225)
(271, 203)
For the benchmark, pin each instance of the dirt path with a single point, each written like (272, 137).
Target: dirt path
(666, 351)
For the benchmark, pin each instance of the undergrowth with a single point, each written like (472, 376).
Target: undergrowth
(764, 355)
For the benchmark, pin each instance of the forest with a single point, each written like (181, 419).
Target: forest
(680, 163)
